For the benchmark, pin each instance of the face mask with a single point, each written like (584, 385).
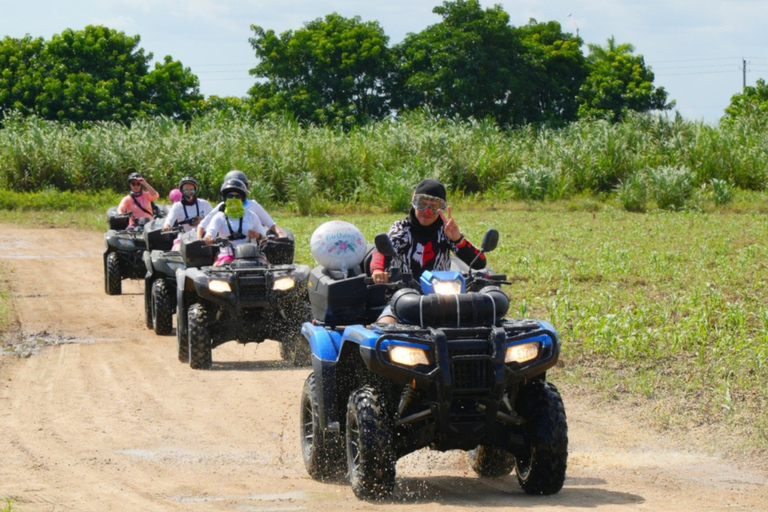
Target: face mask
(234, 208)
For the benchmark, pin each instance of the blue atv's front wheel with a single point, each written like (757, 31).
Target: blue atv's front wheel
(370, 446)
(323, 451)
(541, 468)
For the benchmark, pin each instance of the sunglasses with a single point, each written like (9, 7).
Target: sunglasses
(232, 196)
(422, 203)
(135, 183)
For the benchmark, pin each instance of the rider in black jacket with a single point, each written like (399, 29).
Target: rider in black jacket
(425, 239)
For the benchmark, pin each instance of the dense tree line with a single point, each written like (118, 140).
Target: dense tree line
(471, 64)
(95, 74)
(337, 70)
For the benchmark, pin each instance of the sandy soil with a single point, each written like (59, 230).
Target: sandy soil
(100, 415)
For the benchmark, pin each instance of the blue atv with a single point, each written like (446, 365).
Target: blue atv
(453, 373)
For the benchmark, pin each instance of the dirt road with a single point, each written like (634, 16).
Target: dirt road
(108, 419)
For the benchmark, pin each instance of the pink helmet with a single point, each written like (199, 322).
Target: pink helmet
(175, 195)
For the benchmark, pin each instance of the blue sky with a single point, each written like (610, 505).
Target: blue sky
(695, 48)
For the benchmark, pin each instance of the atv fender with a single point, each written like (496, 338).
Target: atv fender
(325, 344)
(147, 257)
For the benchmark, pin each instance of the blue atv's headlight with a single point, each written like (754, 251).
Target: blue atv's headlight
(446, 287)
(126, 242)
(522, 353)
(407, 356)
(219, 286)
(442, 282)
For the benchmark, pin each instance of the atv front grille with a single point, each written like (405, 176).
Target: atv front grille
(252, 287)
(470, 370)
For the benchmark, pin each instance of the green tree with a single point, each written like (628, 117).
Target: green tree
(172, 90)
(617, 82)
(95, 74)
(332, 70)
(21, 76)
(752, 102)
(558, 69)
(471, 64)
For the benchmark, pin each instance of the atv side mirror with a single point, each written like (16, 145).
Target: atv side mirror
(384, 244)
(490, 240)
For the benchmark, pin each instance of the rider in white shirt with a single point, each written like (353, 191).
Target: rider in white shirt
(249, 204)
(234, 223)
(190, 208)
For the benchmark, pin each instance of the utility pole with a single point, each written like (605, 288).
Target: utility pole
(743, 74)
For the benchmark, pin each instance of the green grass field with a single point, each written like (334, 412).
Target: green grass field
(666, 312)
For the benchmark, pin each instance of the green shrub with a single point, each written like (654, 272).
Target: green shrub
(669, 187)
(632, 193)
(533, 183)
(722, 191)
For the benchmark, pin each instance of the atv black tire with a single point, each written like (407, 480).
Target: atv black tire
(541, 469)
(162, 307)
(370, 446)
(148, 304)
(113, 279)
(323, 453)
(199, 338)
(491, 462)
(182, 344)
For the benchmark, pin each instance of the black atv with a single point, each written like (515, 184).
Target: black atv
(455, 374)
(260, 295)
(124, 250)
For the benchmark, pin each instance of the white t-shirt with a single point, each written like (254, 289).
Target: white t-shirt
(249, 205)
(180, 211)
(219, 227)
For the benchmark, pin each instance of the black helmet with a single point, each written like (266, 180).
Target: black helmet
(233, 185)
(134, 176)
(189, 179)
(238, 175)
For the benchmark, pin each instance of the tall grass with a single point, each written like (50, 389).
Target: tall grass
(377, 164)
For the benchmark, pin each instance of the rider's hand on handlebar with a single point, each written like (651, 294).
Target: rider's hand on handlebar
(208, 240)
(380, 276)
(252, 233)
